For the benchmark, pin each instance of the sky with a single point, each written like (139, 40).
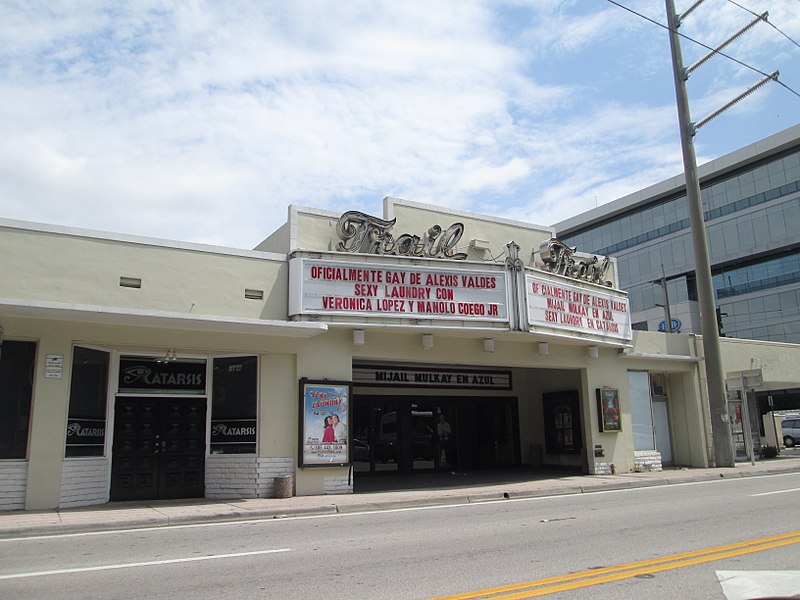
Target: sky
(203, 121)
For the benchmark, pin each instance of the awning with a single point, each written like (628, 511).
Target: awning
(86, 313)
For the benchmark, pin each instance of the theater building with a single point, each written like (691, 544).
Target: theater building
(343, 347)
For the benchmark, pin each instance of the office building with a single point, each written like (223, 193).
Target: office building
(751, 202)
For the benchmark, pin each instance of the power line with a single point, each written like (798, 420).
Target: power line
(709, 48)
(775, 27)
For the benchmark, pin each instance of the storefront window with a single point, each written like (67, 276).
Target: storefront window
(233, 405)
(17, 360)
(86, 426)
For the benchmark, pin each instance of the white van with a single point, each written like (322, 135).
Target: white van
(791, 431)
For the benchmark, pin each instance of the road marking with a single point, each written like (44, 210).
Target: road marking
(279, 519)
(581, 579)
(152, 563)
(776, 492)
(739, 585)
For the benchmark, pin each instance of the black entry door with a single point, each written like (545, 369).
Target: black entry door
(159, 448)
(403, 433)
(423, 433)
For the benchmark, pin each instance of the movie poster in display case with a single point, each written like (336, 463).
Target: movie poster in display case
(324, 423)
(608, 410)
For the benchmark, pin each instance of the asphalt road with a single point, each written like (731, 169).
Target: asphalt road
(439, 551)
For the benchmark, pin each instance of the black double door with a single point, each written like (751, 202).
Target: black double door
(159, 448)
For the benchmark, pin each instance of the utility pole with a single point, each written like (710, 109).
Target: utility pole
(667, 310)
(717, 397)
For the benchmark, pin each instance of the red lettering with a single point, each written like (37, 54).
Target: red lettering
(471, 281)
(441, 279)
(471, 308)
(444, 294)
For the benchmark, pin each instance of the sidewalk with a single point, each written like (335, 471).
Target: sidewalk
(129, 515)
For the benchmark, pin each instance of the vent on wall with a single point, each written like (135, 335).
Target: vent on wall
(254, 294)
(130, 282)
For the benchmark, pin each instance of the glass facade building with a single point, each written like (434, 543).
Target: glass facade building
(751, 202)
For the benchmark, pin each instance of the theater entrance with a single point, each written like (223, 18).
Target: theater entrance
(159, 448)
(422, 433)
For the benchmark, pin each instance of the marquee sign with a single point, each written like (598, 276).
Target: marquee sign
(571, 308)
(429, 377)
(361, 232)
(325, 287)
(560, 259)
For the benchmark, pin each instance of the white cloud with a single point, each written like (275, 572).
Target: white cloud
(202, 121)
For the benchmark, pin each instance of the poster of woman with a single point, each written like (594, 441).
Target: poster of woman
(324, 411)
(608, 410)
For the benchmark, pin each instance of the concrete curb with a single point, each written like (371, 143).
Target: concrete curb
(18, 524)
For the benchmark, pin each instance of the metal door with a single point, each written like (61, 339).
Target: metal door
(661, 430)
(738, 429)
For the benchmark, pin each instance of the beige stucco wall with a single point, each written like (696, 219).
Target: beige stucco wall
(689, 421)
(277, 414)
(277, 241)
(76, 268)
(284, 361)
(326, 357)
(84, 268)
(607, 370)
(316, 229)
(678, 358)
(47, 429)
(278, 408)
(417, 218)
(778, 362)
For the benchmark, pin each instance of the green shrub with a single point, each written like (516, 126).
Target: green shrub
(769, 452)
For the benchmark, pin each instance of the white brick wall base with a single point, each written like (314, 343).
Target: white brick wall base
(602, 468)
(339, 484)
(231, 476)
(13, 482)
(645, 461)
(269, 469)
(84, 481)
(244, 476)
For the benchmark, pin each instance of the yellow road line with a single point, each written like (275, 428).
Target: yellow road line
(607, 574)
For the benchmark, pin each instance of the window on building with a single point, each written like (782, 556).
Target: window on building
(641, 410)
(691, 287)
(772, 273)
(17, 364)
(678, 291)
(233, 405)
(86, 425)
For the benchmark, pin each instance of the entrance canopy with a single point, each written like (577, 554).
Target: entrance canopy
(83, 313)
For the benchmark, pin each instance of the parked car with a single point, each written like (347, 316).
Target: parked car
(791, 431)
